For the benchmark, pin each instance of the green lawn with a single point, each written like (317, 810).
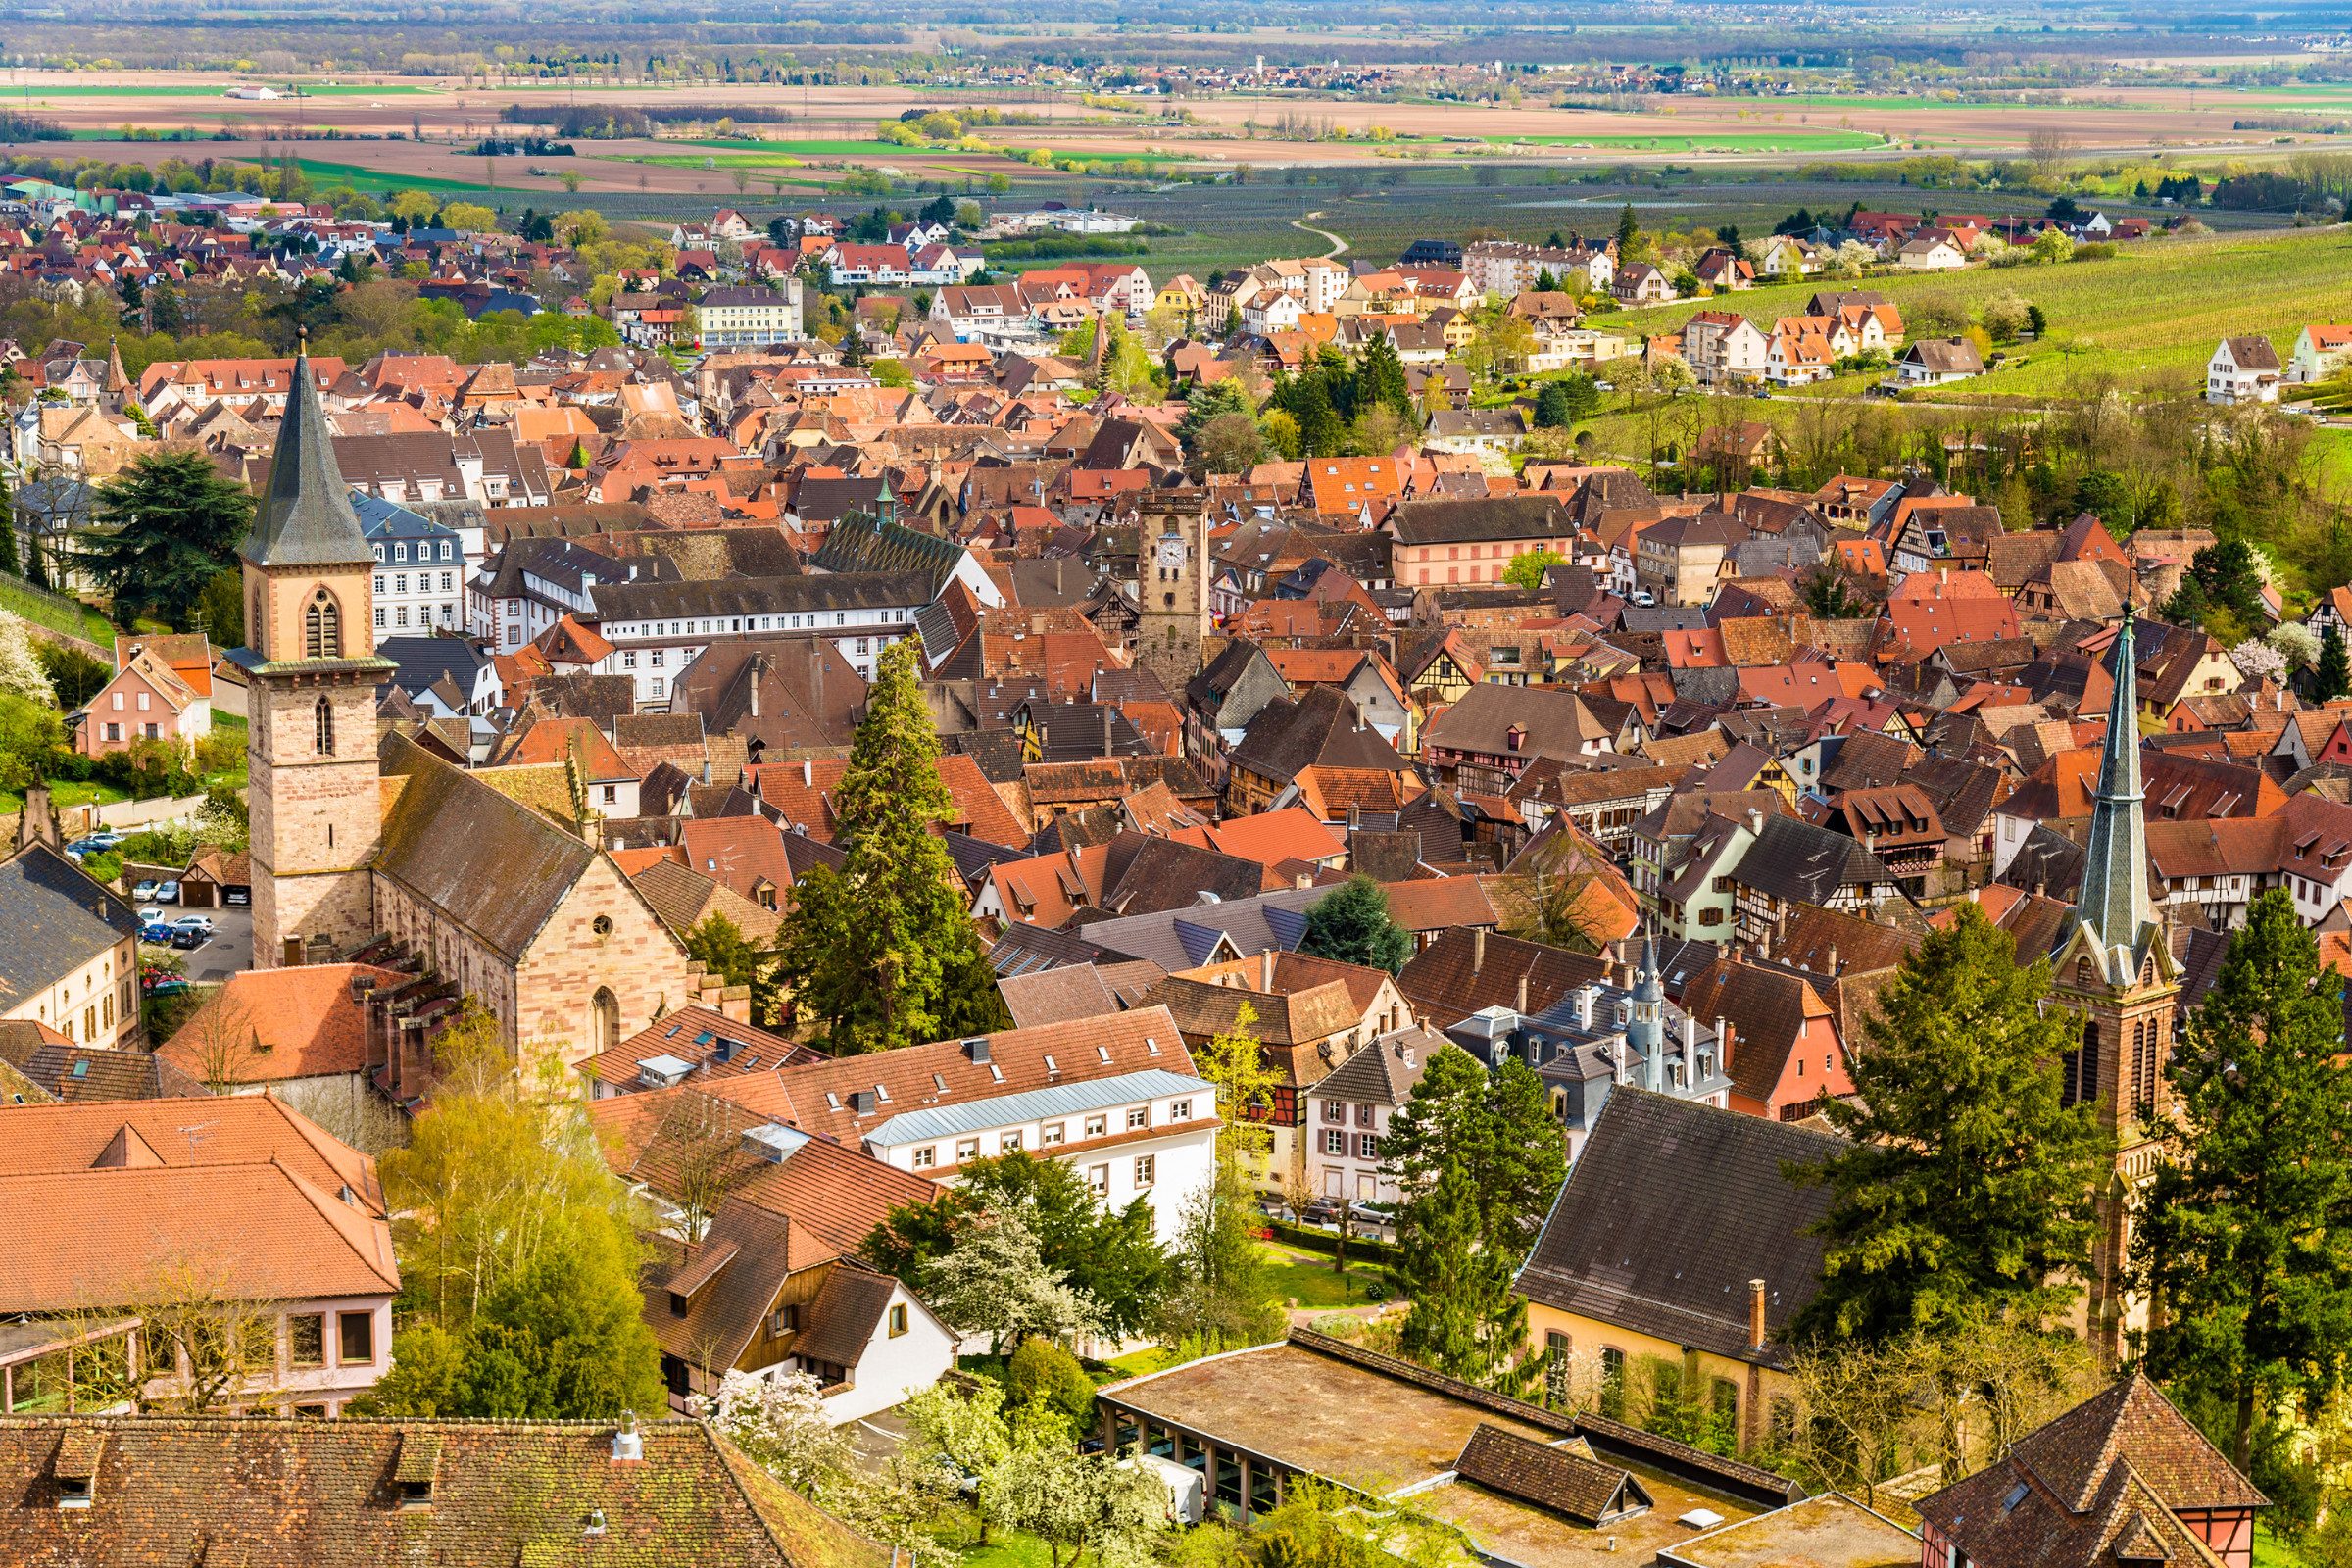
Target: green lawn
(2270, 1551)
(1141, 1363)
(65, 793)
(1006, 1548)
(73, 619)
(1307, 1279)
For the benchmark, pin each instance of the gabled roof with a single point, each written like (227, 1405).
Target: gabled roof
(1670, 1209)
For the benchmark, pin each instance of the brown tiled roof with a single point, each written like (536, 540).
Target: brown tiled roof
(847, 1308)
(62, 1070)
(1767, 1007)
(832, 1197)
(200, 1130)
(818, 1096)
(105, 1238)
(1457, 974)
(727, 1283)
(265, 1025)
(2133, 1421)
(265, 1493)
(1574, 1485)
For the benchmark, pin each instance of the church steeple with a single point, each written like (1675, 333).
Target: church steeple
(2115, 908)
(303, 515)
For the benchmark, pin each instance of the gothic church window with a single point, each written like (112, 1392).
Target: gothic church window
(322, 628)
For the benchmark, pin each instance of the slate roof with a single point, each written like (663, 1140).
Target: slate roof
(1320, 727)
(497, 867)
(1794, 861)
(1378, 1074)
(303, 515)
(57, 920)
(1656, 1167)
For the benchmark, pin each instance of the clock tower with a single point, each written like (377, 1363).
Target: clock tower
(310, 728)
(1171, 591)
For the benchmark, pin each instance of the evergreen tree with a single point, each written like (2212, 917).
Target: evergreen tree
(9, 562)
(1967, 1185)
(2332, 676)
(1351, 924)
(719, 946)
(1463, 1313)
(163, 526)
(1206, 403)
(1478, 1149)
(1552, 407)
(1380, 378)
(2243, 1243)
(882, 951)
(1628, 232)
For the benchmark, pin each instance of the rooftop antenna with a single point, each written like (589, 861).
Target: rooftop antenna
(193, 1134)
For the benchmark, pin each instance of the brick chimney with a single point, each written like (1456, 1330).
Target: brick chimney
(1755, 1315)
(1478, 948)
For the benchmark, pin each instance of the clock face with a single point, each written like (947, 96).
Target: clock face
(1171, 552)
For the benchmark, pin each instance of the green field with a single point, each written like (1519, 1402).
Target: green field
(2157, 308)
(360, 178)
(42, 94)
(1740, 141)
(770, 151)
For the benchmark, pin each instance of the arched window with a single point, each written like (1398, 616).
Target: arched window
(323, 719)
(606, 1019)
(322, 627)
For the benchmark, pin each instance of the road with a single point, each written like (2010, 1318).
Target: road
(229, 952)
(1339, 246)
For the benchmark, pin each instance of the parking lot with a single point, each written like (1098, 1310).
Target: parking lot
(229, 950)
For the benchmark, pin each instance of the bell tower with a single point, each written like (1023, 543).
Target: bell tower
(2116, 969)
(1171, 590)
(311, 733)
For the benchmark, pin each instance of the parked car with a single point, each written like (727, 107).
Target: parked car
(149, 914)
(236, 898)
(189, 938)
(194, 923)
(156, 931)
(167, 893)
(144, 893)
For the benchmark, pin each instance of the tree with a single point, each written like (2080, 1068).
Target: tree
(2052, 246)
(1229, 443)
(518, 1247)
(966, 1430)
(1829, 591)
(2295, 642)
(1113, 1255)
(1351, 924)
(162, 528)
(1221, 1296)
(2333, 675)
(777, 1420)
(1208, 402)
(2224, 575)
(1527, 570)
(469, 217)
(993, 1281)
(22, 673)
(32, 738)
(1042, 1372)
(1629, 234)
(882, 951)
(2241, 1243)
(220, 609)
(1478, 1160)
(1966, 1184)
(719, 946)
(220, 1039)
(1076, 1502)
(1380, 378)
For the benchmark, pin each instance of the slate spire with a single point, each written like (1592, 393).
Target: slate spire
(2114, 905)
(303, 515)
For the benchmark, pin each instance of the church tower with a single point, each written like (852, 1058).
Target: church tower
(1171, 589)
(2115, 967)
(1646, 1030)
(311, 735)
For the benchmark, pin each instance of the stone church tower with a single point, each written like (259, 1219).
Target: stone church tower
(2115, 967)
(1171, 589)
(311, 740)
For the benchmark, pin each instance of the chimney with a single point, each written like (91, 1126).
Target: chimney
(1756, 820)
(808, 773)
(1723, 1043)
(628, 1447)
(1266, 970)
(1584, 1007)
(1832, 968)
(1478, 949)
(1755, 1314)
(1522, 1008)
